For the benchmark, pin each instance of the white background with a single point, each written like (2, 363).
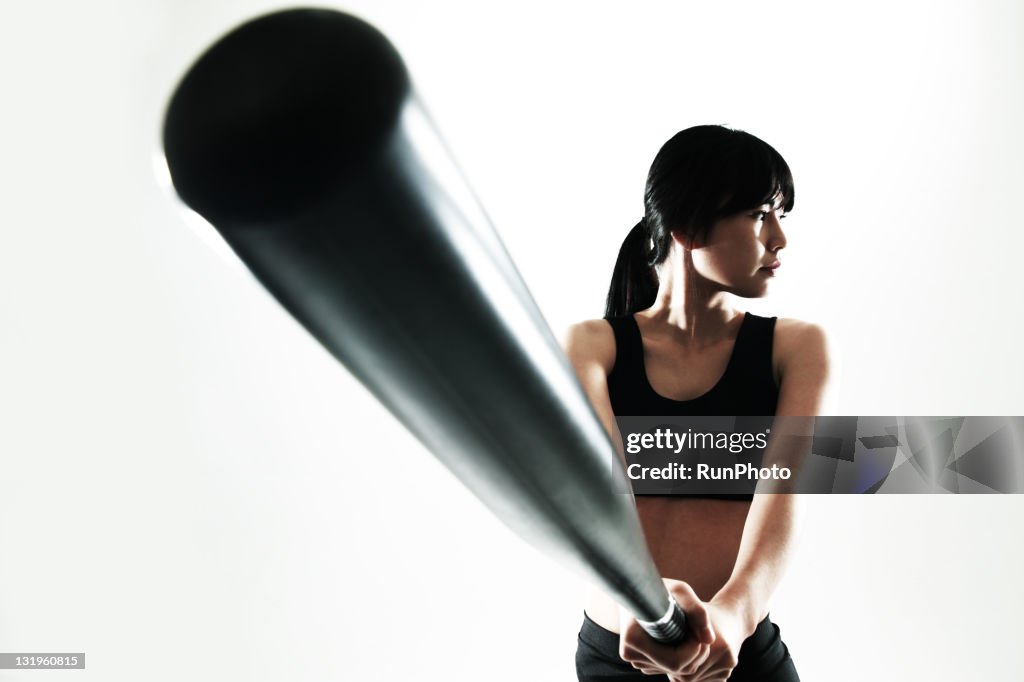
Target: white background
(183, 470)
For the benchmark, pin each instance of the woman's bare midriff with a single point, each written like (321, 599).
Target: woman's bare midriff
(695, 540)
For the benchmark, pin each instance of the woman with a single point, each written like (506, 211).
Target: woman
(672, 344)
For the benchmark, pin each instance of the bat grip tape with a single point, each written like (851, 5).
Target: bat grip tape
(670, 628)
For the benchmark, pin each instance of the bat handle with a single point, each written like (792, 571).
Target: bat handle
(670, 628)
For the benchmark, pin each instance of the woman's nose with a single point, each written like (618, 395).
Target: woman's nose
(776, 237)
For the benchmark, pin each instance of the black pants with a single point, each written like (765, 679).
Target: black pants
(763, 657)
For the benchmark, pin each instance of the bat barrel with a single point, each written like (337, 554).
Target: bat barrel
(299, 137)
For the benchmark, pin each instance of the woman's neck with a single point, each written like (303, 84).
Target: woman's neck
(685, 302)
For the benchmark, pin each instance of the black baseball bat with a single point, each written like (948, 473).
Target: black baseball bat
(299, 137)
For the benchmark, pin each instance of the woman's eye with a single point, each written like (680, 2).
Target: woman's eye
(760, 215)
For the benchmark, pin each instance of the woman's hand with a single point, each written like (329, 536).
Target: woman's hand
(681, 661)
(730, 632)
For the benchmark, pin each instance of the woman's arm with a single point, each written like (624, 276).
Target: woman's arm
(809, 369)
(590, 347)
(808, 382)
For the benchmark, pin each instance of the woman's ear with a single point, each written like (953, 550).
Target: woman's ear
(686, 242)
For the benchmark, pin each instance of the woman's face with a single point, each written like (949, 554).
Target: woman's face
(738, 250)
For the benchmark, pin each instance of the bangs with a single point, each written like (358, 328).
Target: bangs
(709, 172)
(752, 174)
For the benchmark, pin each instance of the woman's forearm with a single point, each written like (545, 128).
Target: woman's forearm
(769, 537)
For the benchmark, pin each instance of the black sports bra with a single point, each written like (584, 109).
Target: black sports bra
(747, 388)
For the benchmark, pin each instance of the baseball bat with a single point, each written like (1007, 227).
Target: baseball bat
(299, 137)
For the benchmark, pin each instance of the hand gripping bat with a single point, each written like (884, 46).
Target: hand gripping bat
(298, 136)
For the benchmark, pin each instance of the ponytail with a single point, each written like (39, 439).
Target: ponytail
(634, 283)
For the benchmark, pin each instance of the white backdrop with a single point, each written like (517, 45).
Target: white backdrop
(184, 472)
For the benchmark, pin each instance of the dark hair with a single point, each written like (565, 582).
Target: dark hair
(702, 174)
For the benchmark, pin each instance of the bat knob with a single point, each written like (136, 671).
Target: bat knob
(670, 628)
(280, 112)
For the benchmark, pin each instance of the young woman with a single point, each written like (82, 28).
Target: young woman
(671, 343)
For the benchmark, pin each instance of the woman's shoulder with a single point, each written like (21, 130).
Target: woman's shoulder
(799, 334)
(590, 341)
(802, 343)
